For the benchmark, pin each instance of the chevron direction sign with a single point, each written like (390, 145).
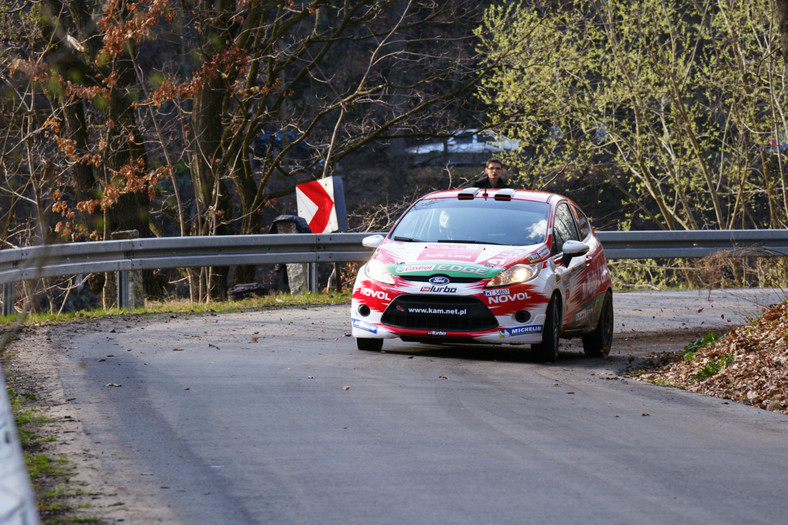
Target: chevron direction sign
(322, 204)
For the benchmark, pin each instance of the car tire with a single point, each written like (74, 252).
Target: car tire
(369, 345)
(598, 342)
(547, 350)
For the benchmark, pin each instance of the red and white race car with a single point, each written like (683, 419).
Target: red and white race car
(486, 266)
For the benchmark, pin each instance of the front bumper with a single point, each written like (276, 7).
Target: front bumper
(426, 318)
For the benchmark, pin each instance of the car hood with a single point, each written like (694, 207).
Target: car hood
(455, 260)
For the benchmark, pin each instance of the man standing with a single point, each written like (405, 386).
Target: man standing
(493, 172)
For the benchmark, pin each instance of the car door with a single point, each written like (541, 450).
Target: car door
(593, 285)
(574, 274)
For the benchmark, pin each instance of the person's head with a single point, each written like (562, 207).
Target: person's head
(494, 170)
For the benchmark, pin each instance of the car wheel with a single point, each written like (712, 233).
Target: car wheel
(371, 345)
(547, 350)
(597, 343)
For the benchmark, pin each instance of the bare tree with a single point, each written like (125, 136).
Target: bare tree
(212, 110)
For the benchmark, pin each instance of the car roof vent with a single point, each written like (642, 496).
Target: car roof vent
(505, 194)
(467, 193)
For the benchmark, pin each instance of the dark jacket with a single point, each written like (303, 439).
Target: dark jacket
(484, 182)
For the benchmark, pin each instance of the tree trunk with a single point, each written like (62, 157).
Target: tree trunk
(782, 22)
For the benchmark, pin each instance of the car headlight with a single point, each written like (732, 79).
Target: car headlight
(377, 271)
(519, 273)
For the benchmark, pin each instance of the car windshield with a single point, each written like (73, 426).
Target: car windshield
(483, 221)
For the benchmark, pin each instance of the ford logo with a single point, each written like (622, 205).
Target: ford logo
(439, 279)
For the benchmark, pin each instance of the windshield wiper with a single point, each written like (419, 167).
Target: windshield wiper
(466, 241)
(405, 239)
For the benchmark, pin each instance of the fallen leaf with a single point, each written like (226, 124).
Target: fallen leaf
(345, 388)
(177, 349)
(113, 384)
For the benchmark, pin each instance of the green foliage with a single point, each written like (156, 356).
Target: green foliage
(712, 367)
(721, 270)
(673, 103)
(708, 339)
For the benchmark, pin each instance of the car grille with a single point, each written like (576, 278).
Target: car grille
(430, 312)
(426, 278)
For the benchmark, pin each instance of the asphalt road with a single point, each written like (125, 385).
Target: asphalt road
(275, 417)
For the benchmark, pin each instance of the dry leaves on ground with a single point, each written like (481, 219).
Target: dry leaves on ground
(749, 364)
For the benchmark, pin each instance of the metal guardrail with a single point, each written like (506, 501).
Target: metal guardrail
(656, 244)
(178, 252)
(188, 252)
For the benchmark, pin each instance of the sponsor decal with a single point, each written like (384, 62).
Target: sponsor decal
(499, 291)
(435, 332)
(544, 251)
(459, 312)
(363, 325)
(508, 332)
(501, 258)
(408, 268)
(450, 252)
(439, 279)
(534, 257)
(376, 294)
(507, 298)
(461, 268)
(438, 289)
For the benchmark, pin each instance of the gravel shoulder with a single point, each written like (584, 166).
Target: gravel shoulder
(86, 492)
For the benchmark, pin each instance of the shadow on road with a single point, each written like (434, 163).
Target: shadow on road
(630, 350)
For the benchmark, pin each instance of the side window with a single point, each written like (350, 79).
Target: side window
(582, 223)
(563, 227)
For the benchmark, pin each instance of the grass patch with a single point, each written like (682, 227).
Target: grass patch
(50, 475)
(279, 300)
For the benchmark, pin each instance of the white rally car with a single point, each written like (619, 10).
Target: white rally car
(486, 266)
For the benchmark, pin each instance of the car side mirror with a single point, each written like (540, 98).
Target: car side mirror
(373, 241)
(573, 249)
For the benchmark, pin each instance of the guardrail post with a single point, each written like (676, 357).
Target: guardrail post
(313, 277)
(122, 288)
(129, 283)
(9, 298)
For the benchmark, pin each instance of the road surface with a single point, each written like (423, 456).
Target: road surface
(275, 417)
